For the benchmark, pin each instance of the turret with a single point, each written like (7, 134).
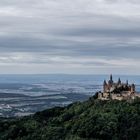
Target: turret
(104, 86)
(111, 79)
(110, 82)
(127, 82)
(132, 88)
(119, 81)
(105, 82)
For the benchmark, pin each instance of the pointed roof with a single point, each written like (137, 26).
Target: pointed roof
(119, 81)
(111, 78)
(105, 83)
(126, 82)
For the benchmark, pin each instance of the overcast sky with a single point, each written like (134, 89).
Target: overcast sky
(70, 36)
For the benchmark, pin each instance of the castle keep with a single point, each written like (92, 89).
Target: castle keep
(117, 90)
(111, 86)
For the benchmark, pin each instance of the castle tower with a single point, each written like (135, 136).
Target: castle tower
(110, 82)
(132, 88)
(127, 82)
(111, 78)
(104, 86)
(119, 81)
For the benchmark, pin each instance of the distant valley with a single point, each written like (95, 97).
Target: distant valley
(22, 95)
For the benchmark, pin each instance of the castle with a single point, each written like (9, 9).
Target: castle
(110, 86)
(117, 90)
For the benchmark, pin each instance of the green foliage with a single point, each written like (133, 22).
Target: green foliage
(90, 120)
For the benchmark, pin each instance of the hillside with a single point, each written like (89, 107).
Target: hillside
(90, 120)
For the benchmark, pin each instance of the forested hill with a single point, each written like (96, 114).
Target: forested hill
(90, 120)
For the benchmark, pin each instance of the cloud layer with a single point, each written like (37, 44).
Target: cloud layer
(81, 36)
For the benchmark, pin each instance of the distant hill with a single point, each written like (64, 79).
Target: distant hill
(11, 95)
(91, 120)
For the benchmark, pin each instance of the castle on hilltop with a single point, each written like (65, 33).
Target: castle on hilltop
(111, 86)
(117, 90)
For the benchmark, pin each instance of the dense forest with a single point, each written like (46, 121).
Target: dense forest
(90, 120)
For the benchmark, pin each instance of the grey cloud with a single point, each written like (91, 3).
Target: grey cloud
(74, 29)
(126, 1)
(102, 32)
(108, 48)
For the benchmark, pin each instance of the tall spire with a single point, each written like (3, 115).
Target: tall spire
(119, 81)
(133, 88)
(126, 82)
(111, 79)
(104, 86)
(110, 82)
(105, 82)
